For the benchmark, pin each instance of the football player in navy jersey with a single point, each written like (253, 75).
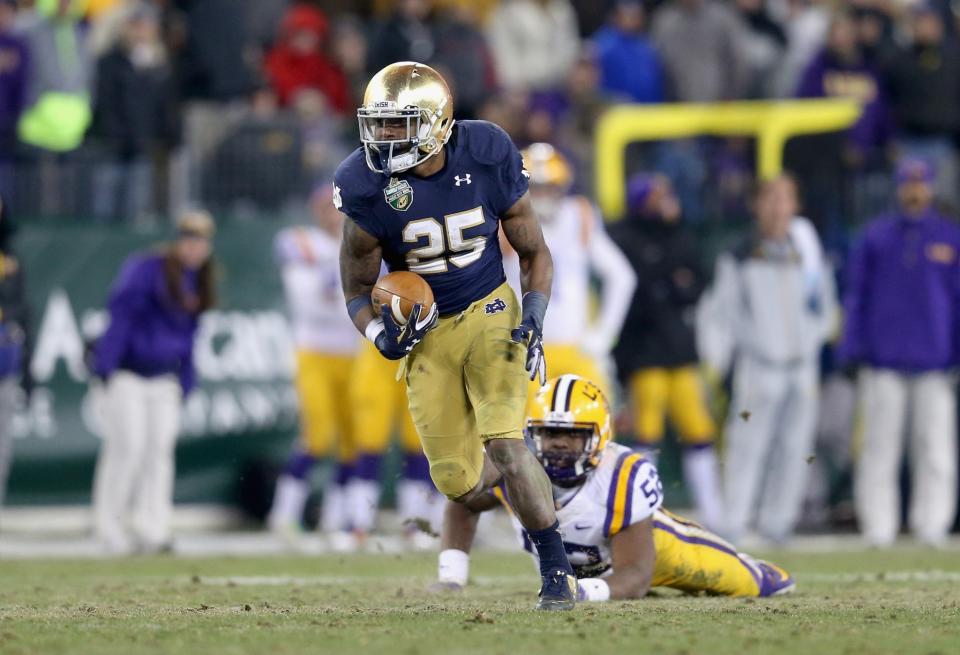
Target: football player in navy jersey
(426, 194)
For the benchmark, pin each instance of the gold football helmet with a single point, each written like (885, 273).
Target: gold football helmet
(547, 166)
(406, 117)
(569, 405)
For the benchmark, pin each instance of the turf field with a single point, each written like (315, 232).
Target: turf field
(862, 603)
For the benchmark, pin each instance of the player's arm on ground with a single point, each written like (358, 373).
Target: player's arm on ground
(633, 556)
(456, 539)
(360, 257)
(522, 229)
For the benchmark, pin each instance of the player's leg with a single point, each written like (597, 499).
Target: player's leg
(317, 434)
(649, 392)
(754, 414)
(692, 559)
(335, 517)
(933, 455)
(419, 503)
(375, 400)
(119, 460)
(786, 479)
(153, 503)
(496, 384)
(701, 470)
(876, 488)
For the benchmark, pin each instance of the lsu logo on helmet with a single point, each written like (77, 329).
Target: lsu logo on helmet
(570, 404)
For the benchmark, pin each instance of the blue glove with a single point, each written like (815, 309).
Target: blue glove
(530, 331)
(395, 342)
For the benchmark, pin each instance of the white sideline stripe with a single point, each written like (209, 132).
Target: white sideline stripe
(319, 580)
(934, 575)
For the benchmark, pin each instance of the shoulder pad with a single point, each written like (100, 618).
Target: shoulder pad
(354, 181)
(486, 142)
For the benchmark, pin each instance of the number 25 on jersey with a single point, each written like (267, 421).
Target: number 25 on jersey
(444, 246)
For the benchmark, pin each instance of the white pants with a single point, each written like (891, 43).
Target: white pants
(133, 485)
(887, 399)
(770, 436)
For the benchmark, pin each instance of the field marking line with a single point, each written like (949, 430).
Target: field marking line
(932, 575)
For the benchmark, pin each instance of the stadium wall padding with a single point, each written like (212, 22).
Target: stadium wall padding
(244, 410)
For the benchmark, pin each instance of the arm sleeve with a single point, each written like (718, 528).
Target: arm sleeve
(716, 340)
(636, 492)
(127, 299)
(618, 282)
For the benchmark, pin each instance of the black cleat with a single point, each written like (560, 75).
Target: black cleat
(558, 592)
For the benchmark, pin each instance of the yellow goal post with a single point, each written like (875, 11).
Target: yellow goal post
(772, 123)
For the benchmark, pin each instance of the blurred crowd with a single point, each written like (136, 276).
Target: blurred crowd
(244, 105)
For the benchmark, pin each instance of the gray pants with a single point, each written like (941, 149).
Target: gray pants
(8, 402)
(770, 436)
(893, 404)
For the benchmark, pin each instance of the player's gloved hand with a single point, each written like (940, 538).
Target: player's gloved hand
(536, 362)
(395, 342)
(530, 331)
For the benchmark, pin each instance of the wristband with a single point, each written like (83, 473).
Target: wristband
(356, 304)
(454, 566)
(593, 589)
(534, 308)
(374, 329)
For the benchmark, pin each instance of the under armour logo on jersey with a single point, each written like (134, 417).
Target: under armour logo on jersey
(465, 178)
(494, 307)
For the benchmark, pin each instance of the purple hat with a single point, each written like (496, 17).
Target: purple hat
(639, 187)
(915, 169)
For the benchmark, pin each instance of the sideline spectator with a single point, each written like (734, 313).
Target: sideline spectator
(771, 308)
(57, 107)
(534, 43)
(407, 35)
(656, 355)
(135, 112)
(145, 361)
(629, 64)
(763, 44)
(806, 23)
(299, 60)
(14, 342)
(463, 56)
(840, 70)
(902, 322)
(700, 44)
(924, 83)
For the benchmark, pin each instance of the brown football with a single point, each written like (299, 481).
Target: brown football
(401, 290)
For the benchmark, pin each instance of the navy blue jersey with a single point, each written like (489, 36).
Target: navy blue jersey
(443, 227)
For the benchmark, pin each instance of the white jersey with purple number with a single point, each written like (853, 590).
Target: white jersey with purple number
(310, 266)
(624, 489)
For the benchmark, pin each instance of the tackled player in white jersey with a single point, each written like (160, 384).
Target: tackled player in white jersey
(620, 540)
(581, 247)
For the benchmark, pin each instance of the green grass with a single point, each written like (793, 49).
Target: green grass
(377, 604)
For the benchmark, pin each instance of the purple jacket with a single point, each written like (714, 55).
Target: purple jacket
(149, 333)
(825, 77)
(903, 295)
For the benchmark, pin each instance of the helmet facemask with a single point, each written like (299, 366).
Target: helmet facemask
(396, 139)
(565, 467)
